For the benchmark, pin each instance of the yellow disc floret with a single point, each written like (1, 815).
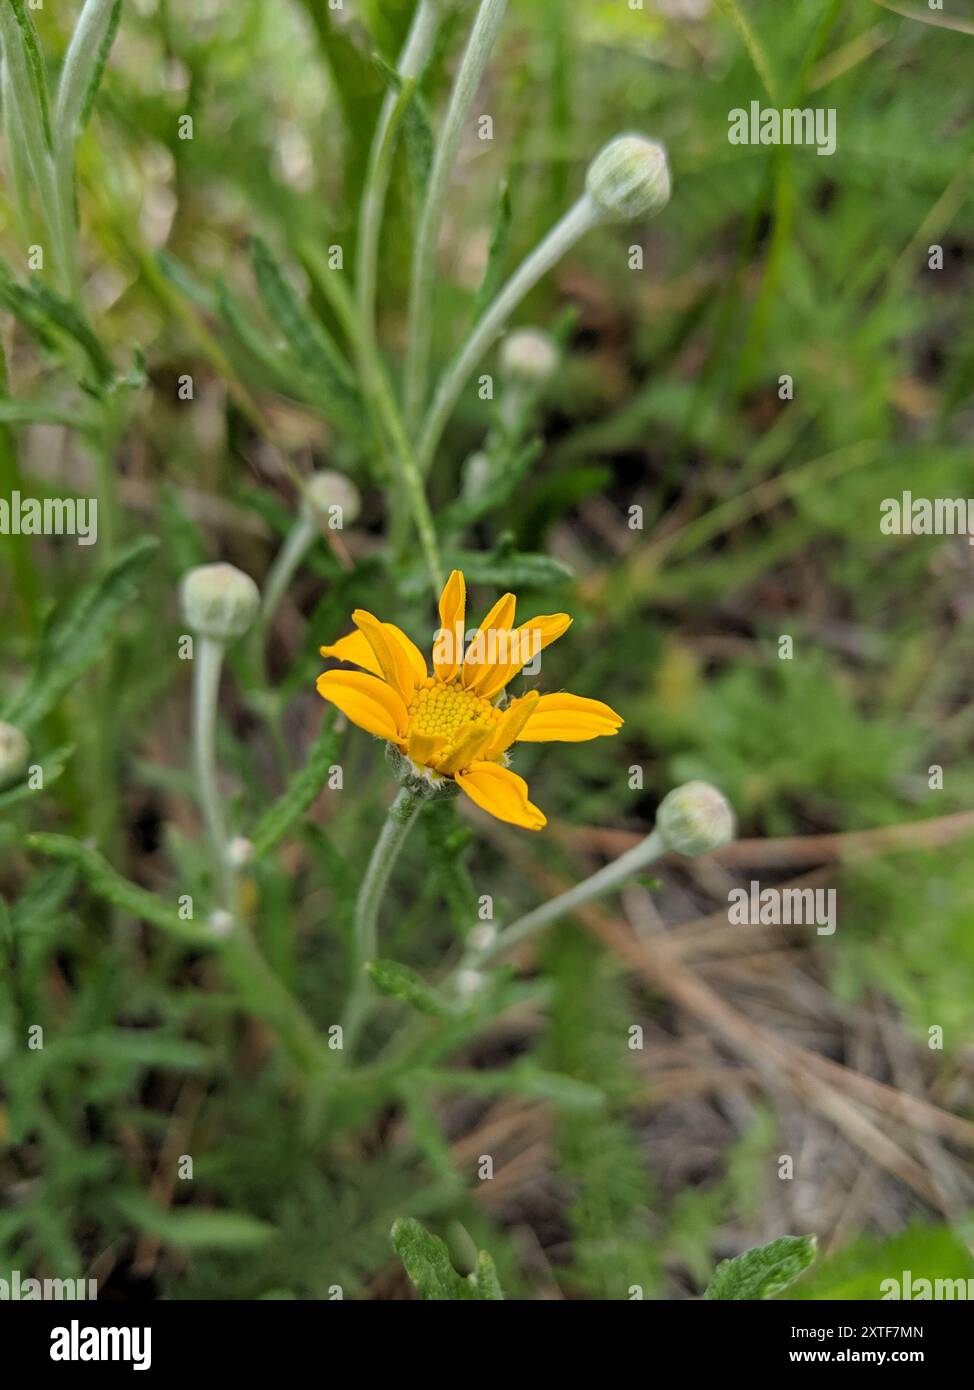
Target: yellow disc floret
(446, 710)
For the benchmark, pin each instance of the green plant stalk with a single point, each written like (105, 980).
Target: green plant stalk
(260, 988)
(399, 822)
(206, 683)
(263, 992)
(286, 562)
(479, 45)
(412, 61)
(579, 219)
(418, 1035)
(382, 404)
(606, 880)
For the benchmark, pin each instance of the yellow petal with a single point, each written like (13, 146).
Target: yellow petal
(512, 721)
(501, 792)
(423, 748)
(470, 747)
(453, 609)
(417, 662)
(526, 642)
(565, 718)
(392, 656)
(492, 637)
(355, 649)
(368, 702)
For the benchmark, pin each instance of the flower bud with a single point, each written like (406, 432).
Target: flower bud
(239, 852)
(528, 355)
(219, 601)
(13, 753)
(695, 819)
(220, 922)
(329, 489)
(630, 178)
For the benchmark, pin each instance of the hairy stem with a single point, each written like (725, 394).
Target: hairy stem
(399, 822)
(606, 880)
(206, 683)
(577, 221)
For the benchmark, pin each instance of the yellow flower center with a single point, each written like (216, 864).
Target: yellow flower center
(448, 711)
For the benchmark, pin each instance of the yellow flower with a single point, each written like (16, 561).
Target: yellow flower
(458, 724)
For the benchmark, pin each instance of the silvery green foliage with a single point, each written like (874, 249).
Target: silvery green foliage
(763, 1272)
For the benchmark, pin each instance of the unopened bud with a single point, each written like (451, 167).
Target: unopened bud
(219, 601)
(629, 179)
(328, 489)
(239, 851)
(695, 819)
(220, 922)
(528, 355)
(14, 749)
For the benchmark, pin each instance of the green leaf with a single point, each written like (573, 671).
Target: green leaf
(47, 315)
(764, 1271)
(308, 340)
(278, 819)
(74, 643)
(487, 1284)
(30, 410)
(194, 1228)
(524, 1078)
(98, 66)
(129, 1047)
(35, 66)
(427, 1262)
(105, 882)
(516, 570)
(416, 126)
(52, 767)
(399, 982)
(500, 237)
(468, 509)
(863, 1269)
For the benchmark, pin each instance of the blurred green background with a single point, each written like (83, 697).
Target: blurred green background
(760, 520)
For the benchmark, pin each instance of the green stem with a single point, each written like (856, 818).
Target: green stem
(382, 403)
(411, 63)
(479, 45)
(399, 822)
(288, 558)
(206, 684)
(265, 994)
(577, 221)
(606, 880)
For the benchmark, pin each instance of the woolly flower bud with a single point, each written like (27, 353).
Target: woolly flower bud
(528, 354)
(219, 601)
(327, 489)
(694, 819)
(630, 178)
(13, 753)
